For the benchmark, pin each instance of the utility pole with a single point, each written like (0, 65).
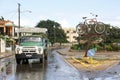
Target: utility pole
(18, 19)
(54, 35)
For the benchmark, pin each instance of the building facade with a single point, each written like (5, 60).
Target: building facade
(7, 28)
(71, 34)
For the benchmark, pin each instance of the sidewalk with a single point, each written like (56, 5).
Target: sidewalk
(7, 65)
(6, 54)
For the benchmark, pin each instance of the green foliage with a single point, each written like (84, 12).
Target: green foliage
(2, 37)
(99, 47)
(75, 47)
(115, 47)
(109, 47)
(55, 33)
(92, 46)
(112, 34)
(2, 19)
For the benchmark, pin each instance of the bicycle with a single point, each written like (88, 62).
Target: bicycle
(90, 26)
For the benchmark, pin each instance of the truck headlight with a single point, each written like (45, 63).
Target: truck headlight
(39, 49)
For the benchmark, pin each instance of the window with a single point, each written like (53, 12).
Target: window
(74, 31)
(67, 36)
(67, 31)
(74, 37)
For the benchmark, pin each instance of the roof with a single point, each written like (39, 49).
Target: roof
(32, 30)
(9, 24)
(6, 23)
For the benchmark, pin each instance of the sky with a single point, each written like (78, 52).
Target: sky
(66, 12)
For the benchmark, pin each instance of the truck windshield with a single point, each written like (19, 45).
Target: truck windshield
(31, 39)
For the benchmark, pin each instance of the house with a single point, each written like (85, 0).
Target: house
(71, 34)
(7, 27)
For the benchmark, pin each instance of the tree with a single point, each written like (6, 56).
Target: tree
(112, 33)
(2, 19)
(55, 32)
(60, 36)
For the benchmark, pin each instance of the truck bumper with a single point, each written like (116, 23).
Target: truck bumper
(28, 56)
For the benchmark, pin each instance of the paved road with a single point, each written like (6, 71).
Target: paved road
(34, 71)
(9, 70)
(54, 69)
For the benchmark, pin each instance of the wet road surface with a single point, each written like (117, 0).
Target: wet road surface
(55, 68)
(34, 71)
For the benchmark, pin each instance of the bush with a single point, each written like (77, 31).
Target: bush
(109, 47)
(112, 47)
(115, 48)
(75, 47)
(99, 47)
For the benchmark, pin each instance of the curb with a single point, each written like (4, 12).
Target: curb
(69, 64)
(80, 63)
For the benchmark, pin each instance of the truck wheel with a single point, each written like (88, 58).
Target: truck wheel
(41, 60)
(46, 57)
(18, 61)
(25, 61)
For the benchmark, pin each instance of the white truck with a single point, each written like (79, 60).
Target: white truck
(31, 46)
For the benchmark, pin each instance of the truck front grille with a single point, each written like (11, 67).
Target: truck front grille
(26, 50)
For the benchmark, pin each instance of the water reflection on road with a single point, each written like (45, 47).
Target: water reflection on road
(30, 72)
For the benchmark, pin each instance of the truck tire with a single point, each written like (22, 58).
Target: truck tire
(42, 59)
(45, 55)
(18, 61)
(25, 61)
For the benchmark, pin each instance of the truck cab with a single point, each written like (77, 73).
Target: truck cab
(31, 47)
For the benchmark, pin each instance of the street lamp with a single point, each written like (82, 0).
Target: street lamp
(26, 11)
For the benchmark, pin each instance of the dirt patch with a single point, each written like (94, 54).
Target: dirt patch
(100, 66)
(104, 60)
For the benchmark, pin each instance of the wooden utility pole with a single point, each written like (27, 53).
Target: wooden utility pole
(18, 19)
